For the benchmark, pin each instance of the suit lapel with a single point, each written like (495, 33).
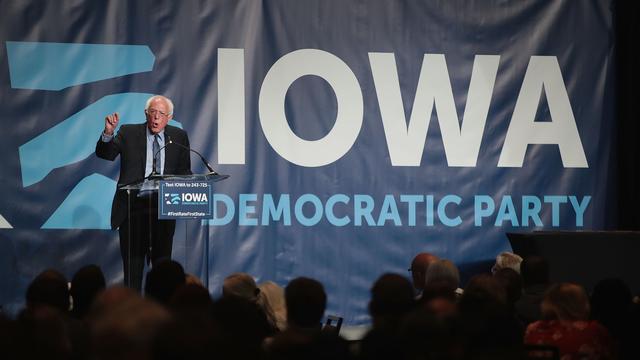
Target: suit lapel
(141, 144)
(169, 151)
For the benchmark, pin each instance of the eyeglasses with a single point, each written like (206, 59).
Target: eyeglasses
(154, 111)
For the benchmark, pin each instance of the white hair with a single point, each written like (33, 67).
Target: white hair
(507, 259)
(274, 295)
(241, 285)
(159, 97)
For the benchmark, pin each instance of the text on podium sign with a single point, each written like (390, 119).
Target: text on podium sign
(184, 199)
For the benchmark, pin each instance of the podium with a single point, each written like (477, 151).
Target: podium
(147, 191)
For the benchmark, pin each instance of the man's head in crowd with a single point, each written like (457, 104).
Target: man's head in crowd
(419, 267)
(566, 301)
(391, 298)
(123, 324)
(85, 285)
(443, 273)
(49, 288)
(163, 280)
(507, 260)
(306, 301)
(240, 285)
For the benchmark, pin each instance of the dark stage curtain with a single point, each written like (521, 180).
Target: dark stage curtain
(627, 26)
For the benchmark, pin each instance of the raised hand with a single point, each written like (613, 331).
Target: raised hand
(110, 123)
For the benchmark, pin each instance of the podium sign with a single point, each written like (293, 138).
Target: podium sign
(185, 199)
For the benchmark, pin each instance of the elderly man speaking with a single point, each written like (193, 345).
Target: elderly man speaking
(142, 234)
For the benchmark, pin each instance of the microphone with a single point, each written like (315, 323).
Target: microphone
(204, 161)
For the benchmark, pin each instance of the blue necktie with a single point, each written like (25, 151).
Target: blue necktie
(156, 148)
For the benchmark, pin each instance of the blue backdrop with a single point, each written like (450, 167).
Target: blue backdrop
(356, 133)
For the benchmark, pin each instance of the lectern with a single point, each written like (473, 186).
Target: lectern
(148, 189)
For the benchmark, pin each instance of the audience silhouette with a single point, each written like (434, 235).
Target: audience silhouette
(178, 319)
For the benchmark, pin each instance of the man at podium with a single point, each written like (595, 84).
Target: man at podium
(142, 235)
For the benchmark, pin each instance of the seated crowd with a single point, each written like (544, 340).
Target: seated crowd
(511, 312)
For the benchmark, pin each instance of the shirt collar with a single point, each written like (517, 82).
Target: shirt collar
(150, 134)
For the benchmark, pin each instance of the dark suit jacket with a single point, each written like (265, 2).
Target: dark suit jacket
(131, 144)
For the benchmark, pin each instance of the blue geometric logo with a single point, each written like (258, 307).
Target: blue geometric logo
(56, 66)
(172, 199)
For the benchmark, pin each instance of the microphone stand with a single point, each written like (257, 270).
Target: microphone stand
(204, 161)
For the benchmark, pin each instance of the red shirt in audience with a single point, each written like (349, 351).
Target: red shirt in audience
(574, 339)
